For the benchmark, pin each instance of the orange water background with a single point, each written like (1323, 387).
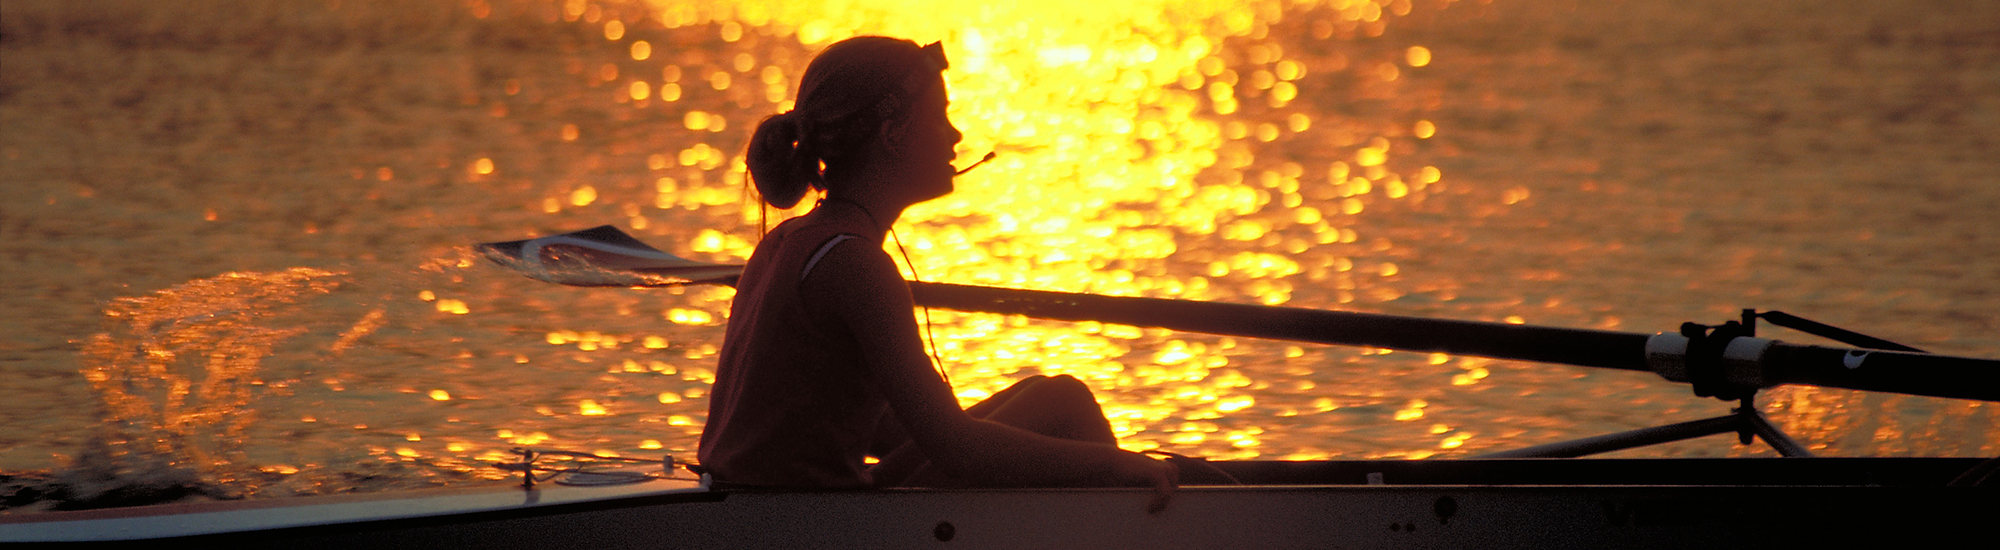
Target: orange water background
(235, 236)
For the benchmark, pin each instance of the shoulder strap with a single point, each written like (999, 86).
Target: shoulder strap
(821, 253)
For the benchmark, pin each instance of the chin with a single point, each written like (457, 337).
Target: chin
(946, 189)
(937, 190)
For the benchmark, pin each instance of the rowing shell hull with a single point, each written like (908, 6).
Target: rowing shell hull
(685, 514)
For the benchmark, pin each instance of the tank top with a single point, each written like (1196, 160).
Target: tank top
(792, 405)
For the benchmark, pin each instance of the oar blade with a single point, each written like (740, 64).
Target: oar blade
(603, 256)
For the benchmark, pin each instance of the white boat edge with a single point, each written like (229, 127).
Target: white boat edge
(219, 517)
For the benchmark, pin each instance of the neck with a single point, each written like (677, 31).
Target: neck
(878, 188)
(873, 211)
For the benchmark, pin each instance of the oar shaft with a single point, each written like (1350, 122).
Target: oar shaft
(1890, 371)
(1884, 371)
(1590, 348)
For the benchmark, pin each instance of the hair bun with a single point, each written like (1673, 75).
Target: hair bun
(775, 159)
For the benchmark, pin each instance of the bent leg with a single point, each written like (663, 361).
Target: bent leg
(1057, 406)
(889, 435)
(1060, 406)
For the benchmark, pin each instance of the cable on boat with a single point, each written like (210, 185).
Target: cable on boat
(1985, 474)
(1195, 471)
(930, 340)
(527, 466)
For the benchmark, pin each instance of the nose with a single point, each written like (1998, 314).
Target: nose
(953, 134)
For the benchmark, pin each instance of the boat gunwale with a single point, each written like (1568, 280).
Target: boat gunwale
(1512, 473)
(1962, 501)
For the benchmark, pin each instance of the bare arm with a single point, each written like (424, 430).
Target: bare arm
(863, 290)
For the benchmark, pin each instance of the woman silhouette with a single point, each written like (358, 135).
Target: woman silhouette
(822, 364)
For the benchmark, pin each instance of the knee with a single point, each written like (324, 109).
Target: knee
(1065, 388)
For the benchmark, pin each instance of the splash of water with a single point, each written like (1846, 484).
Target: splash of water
(204, 388)
(176, 372)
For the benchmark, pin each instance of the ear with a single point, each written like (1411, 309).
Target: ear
(894, 134)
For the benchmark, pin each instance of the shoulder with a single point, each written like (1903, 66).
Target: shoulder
(844, 257)
(853, 276)
(794, 240)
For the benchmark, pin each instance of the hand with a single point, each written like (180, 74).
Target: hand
(1137, 470)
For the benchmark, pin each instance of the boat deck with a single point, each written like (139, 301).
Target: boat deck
(1490, 503)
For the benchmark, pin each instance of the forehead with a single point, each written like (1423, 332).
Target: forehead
(927, 89)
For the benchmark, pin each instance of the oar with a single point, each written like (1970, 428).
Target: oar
(1745, 361)
(605, 256)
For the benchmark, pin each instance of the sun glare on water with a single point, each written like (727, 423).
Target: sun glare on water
(1172, 149)
(1127, 141)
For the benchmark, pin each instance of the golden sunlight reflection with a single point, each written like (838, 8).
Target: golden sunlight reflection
(1152, 148)
(1251, 152)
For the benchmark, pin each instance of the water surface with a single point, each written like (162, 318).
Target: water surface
(236, 245)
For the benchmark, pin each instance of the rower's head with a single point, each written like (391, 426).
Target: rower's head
(866, 104)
